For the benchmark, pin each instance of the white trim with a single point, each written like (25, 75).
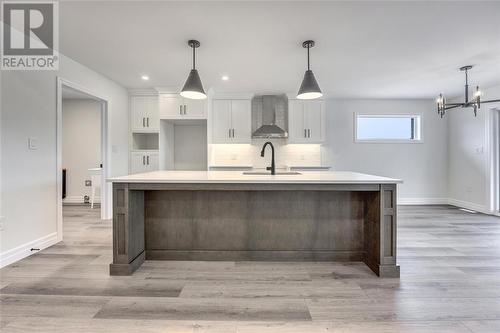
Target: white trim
(143, 92)
(447, 201)
(492, 158)
(469, 205)
(106, 211)
(422, 201)
(418, 127)
(23, 251)
(78, 199)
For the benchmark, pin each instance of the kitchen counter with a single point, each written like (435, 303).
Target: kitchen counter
(225, 177)
(228, 215)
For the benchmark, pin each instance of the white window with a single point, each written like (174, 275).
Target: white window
(387, 128)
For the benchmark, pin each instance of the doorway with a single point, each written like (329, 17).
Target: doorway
(82, 152)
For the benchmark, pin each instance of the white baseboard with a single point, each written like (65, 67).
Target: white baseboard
(422, 201)
(78, 199)
(469, 205)
(445, 201)
(23, 251)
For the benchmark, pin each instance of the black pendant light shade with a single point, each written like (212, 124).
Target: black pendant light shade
(309, 89)
(193, 88)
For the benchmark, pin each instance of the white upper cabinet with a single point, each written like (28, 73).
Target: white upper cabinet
(170, 106)
(144, 113)
(221, 120)
(232, 121)
(306, 121)
(173, 106)
(241, 121)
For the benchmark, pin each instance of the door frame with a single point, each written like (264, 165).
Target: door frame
(105, 187)
(493, 158)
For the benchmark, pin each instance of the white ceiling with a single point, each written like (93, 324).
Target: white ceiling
(364, 49)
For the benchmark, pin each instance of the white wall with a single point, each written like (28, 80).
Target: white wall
(81, 145)
(29, 176)
(468, 154)
(422, 166)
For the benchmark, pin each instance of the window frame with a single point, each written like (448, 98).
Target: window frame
(418, 127)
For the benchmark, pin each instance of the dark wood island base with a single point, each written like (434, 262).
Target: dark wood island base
(254, 221)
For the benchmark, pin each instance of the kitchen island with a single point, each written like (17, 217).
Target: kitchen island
(228, 215)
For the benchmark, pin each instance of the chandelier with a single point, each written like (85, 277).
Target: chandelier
(474, 103)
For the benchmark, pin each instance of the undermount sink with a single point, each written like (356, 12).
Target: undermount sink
(269, 173)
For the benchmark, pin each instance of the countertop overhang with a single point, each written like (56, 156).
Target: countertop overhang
(237, 177)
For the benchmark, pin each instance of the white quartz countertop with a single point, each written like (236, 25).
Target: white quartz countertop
(237, 177)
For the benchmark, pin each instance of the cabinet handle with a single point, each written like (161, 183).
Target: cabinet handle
(184, 108)
(147, 159)
(143, 160)
(229, 134)
(143, 124)
(308, 133)
(233, 132)
(180, 109)
(147, 121)
(305, 133)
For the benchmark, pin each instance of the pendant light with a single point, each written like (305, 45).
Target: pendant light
(193, 88)
(309, 89)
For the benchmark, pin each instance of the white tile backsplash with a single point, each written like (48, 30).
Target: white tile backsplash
(286, 155)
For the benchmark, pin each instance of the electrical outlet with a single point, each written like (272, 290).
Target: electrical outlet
(88, 183)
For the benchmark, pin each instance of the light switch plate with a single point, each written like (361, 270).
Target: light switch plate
(32, 143)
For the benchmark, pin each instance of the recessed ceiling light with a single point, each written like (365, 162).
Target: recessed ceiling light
(145, 77)
(225, 78)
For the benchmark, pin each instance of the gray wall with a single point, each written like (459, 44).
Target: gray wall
(81, 145)
(28, 177)
(468, 154)
(422, 166)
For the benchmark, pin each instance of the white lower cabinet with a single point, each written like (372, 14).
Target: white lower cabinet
(143, 162)
(306, 121)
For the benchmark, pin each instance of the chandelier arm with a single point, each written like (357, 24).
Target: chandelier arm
(491, 101)
(452, 107)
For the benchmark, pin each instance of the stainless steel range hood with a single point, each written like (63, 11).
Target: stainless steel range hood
(269, 116)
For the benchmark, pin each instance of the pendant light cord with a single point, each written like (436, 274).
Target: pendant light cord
(194, 62)
(308, 67)
(466, 87)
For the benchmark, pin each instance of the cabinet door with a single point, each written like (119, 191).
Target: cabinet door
(314, 120)
(221, 121)
(137, 163)
(296, 127)
(152, 114)
(194, 108)
(138, 107)
(241, 121)
(170, 106)
(152, 162)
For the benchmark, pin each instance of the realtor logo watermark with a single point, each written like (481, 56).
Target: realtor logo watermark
(30, 36)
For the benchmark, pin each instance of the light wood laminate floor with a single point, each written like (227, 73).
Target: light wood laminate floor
(450, 282)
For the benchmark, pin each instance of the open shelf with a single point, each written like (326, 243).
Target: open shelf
(145, 141)
(183, 145)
